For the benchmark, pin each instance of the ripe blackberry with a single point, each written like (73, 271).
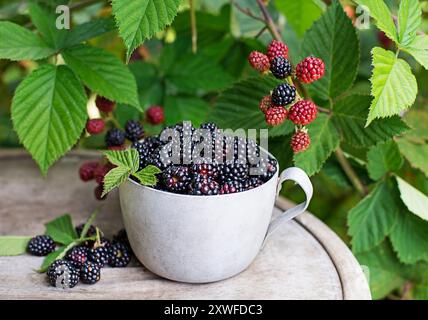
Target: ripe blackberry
(303, 112)
(300, 141)
(105, 105)
(143, 153)
(259, 61)
(283, 94)
(233, 172)
(120, 255)
(87, 170)
(254, 182)
(205, 169)
(98, 192)
(41, 245)
(121, 237)
(310, 69)
(134, 131)
(155, 159)
(62, 274)
(176, 179)
(275, 116)
(265, 169)
(229, 187)
(90, 273)
(280, 67)
(115, 137)
(77, 256)
(265, 104)
(203, 186)
(92, 231)
(277, 49)
(100, 255)
(209, 126)
(155, 115)
(95, 126)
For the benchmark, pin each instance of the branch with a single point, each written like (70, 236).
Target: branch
(247, 12)
(352, 175)
(269, 21)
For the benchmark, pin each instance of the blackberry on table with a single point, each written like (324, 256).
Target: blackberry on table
(62, 274)
(77, 256)
(280, 67)
(176, 179)
(120, 255)
(115, 137)
(100, 255)
(283, 94)
(134, 131)
(90, 273)
(41, 245)
(121, 237)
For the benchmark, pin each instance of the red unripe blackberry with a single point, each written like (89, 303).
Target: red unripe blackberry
(275, 116)
(87, 170)
(300, 141)
(155, 115)
(41, 245)
(277, 49)
(310, 69)
(98, 192)
(259, 61)
(105, 105)
(95, 126)
(303, 112)
(265, 103)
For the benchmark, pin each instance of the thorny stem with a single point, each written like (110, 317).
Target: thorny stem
(350, 172)
(247, 12)
(193, 26)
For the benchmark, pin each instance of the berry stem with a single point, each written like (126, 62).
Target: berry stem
(247, 12)
(350, 172)
(193, 26)
(269, 21)
(113, 120)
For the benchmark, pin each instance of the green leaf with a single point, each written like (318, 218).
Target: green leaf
(103, 73)
(88, 224)
(149, 82)
(114, 178)
(380, 12)
(127, 158)
(350, 114)
(141, 19)
(147, 176)
(89, 30)
(409, 21)
(45, 21)
(417, 120)
(419, 49)
(127, 162)
(238, 107)
(49, 113)
(373, 218)
(416, 154)
(179, 108)
(18, 43)
(333, 39)
(300, 14)
(13, 245)
(410, 238)
(394, 87)
(383, 158)
(62, 230)
(324, 141)
(209, 75)
(420, 292)
(415, 201)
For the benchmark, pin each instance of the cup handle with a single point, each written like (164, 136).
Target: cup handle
(301, 178)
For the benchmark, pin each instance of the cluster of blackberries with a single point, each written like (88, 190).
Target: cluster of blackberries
(83, 262)
(274, 106)
(193, 165)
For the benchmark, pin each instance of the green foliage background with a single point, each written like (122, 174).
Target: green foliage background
(369, 149)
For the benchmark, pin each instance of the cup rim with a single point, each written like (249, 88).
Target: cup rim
(211, 196)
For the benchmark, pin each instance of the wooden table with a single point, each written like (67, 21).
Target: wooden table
(303, 260)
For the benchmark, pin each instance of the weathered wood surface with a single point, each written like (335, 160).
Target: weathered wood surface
(303, 260)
